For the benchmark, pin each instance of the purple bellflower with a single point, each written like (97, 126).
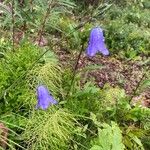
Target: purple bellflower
(44, 98)
(96, 43)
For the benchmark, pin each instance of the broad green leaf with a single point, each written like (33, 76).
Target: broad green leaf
(109, 138)
(96, 147)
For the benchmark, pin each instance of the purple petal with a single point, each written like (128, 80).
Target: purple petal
(52, 100)
(96, 43)
(44, 98)
(91, 51)
(104, 51)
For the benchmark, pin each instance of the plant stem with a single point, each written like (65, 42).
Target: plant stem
(76, 67)
(3, 136)
(31, 5)
(44, 21)
(77, 62)
(82, 48)
(13, 26)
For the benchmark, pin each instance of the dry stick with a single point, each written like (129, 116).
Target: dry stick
(3, 136)
(44, 21)
(13, 25)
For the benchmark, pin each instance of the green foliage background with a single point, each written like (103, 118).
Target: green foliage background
(87, 117)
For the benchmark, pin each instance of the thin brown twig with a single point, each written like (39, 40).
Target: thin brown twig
(31, 5)
(44, 21)
(3, 136)
(13, 25)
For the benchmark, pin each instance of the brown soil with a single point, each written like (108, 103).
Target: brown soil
(125, 74)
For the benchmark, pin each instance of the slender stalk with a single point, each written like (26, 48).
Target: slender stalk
(77, 62)
(13, 25)
(44, 21)
(90, 19)
(31, 5)
(82, 47)
(3, 136)
(76, 67)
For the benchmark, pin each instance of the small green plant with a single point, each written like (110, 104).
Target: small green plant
(12, 66)
(85, 100)
(13, 125)
(124, 31)
(29, 14)
(48, 105)
(51, 129)
(109, 138)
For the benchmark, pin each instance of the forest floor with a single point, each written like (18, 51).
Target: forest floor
(114, 71)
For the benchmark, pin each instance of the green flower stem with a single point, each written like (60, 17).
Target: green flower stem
(75, 69)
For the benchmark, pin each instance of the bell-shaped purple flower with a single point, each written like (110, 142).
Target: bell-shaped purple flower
(96, 43)
(44, 98)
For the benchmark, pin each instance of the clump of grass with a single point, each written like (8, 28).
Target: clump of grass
(51, 129)
(50, 74)
(12, 125)
(13, 84)
(47, 72)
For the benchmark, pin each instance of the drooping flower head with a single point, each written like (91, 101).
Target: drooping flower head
(96, 43)
(44, 98)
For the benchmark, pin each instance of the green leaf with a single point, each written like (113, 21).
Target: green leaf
(145, 84)
(109, 138)
(96, 147)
